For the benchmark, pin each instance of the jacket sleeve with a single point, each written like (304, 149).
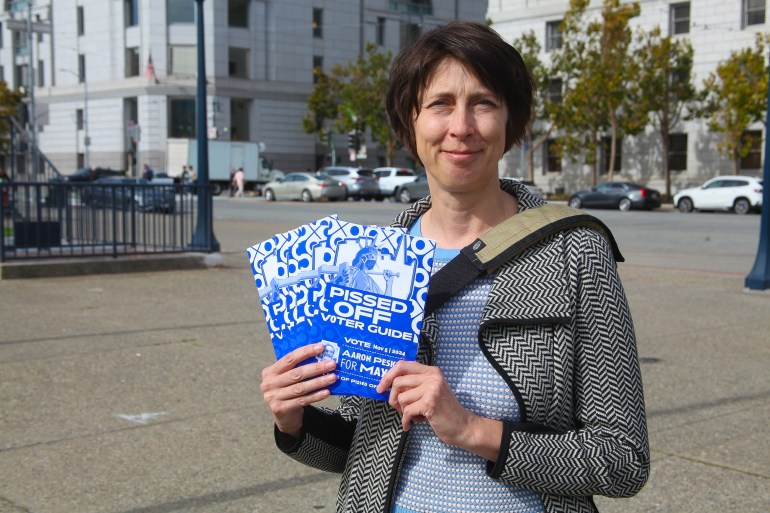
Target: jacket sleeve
(325, 438)
(605, 450)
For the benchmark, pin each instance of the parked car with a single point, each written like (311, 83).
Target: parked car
(412, 191)
(620, 195)
(90, 174)
(361, 183)
(163, 178)
(741, 194)
(127, 193)
(306, 187)
(391, 178)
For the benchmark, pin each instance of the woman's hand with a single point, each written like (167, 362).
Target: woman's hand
(420, 393)
(288, 389)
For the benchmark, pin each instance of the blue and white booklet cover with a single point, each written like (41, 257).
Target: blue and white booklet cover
(359, 290)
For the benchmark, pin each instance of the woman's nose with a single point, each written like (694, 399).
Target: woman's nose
(462, 122)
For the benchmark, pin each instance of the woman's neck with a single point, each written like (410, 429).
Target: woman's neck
(455, 221)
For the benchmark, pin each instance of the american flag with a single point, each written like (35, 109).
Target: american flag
(149, 70)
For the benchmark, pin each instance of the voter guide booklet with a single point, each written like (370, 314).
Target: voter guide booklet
(359, 290)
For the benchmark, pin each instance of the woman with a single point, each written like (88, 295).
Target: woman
(526, 394)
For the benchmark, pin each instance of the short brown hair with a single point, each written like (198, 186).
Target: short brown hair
(478, 48)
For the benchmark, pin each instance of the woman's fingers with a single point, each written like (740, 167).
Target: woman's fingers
(288, 387)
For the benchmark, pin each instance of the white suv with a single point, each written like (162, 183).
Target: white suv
(739, 193)
(391, 178)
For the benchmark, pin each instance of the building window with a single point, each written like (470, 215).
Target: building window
(679, 18)
(132, 62)
(81, 21)
(131, 12)
(381, 31)
(181, 118)
(81, 68)
(21, 76)
(753, 160)
(412, 6)
(238, 13)
(39, 34)
(555, 90)
(552, 156)
(2, 35)
(677, 152)
(180, 11)
(2, 73)
(183, 60)
(318, 65)
(552, 35)
(238, 62)
(409, 33)
(79, 119)
(318, 21)
(605, 154)
(753, 12)
(40, 74)
(239, 119)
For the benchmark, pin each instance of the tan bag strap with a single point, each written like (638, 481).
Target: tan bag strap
(503, 242)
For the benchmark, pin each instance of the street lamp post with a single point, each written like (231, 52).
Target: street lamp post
(86, 137)
(759, 276)
(203, 237)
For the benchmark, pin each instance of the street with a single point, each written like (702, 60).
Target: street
(139, 393)
(662, 238)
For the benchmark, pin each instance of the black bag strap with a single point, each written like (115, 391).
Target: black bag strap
(506, 240)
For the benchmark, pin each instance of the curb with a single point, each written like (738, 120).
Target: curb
(107, 265)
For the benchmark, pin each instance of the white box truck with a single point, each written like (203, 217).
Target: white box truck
(223, 157)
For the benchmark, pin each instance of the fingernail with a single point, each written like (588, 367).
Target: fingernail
(330, 364)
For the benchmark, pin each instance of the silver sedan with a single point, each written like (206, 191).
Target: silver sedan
(306, 187)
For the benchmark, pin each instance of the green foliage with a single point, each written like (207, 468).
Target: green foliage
(597, 68)
(352, 97)
(735, 96)
(541, 124)
(665, 85)
(322, 103)
(9, 107)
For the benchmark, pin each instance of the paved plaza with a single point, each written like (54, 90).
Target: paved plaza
(138, 393)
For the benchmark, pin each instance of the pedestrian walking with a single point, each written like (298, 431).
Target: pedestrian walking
(239, 179)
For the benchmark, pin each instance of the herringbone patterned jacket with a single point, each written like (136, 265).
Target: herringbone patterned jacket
(558, 329)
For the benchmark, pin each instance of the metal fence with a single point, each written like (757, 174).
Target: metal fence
(60, 219)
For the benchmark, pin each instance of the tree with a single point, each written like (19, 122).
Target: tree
(734, 97)
(322, 105)
(665, 85)
(353, 98)
(597, 70)
(9, 107)
(540, 124)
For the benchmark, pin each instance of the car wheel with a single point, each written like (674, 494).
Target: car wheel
(685, 205)
(742, 206)
(575, 202)
(269, 195)
(306, 196)
(624, 204)
(404, 196)
(217, 189)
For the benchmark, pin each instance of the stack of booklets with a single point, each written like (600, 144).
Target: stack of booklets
(359, 290)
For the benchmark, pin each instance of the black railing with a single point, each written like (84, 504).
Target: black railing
(61, 219)
(19, 158)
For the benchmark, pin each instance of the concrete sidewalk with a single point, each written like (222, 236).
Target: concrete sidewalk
(138, 393)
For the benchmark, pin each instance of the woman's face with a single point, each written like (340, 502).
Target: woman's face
(460, 131)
